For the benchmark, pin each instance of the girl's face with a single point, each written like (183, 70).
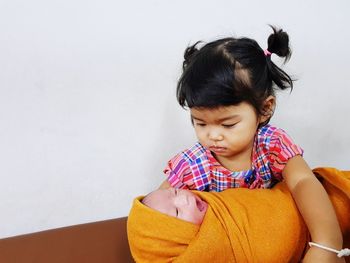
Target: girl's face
(228, 132)
(182, 204)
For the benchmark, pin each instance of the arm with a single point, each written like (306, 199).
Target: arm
(316, 210)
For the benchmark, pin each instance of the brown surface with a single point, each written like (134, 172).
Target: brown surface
(97, 242)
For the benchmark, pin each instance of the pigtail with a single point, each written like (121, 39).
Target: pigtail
(189, 53)
(278, 43)
(182, 89)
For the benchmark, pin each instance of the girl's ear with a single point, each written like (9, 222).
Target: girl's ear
(268, 108)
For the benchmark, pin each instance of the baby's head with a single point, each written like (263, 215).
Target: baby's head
(154, 234)
(230, 71)
(182, 204)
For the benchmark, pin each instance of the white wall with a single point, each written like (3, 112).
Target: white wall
(88, 115)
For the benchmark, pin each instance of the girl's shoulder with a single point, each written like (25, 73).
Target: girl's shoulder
(271, 139)
(269, 133)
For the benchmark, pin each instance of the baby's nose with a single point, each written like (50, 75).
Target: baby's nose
(181, 200)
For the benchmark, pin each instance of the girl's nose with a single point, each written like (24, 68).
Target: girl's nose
(215, 135)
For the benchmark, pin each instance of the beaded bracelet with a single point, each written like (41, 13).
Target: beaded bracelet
(340, 253)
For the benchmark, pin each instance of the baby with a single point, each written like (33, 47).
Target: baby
(235, 225)
(182, 204)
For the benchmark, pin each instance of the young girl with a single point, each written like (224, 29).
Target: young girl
(229, 86)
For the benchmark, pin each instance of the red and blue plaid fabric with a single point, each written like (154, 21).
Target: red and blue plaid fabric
(197, 169)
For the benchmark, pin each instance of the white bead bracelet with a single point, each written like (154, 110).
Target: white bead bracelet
(340, 253)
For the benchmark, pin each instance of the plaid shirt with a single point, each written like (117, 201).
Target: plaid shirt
(196, 168)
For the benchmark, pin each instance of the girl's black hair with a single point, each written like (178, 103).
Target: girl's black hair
(229, 71)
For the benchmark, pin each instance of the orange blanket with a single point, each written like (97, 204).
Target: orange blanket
(240, 225)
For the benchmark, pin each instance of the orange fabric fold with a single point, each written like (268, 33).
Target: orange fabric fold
(337, 185)
(241, 225)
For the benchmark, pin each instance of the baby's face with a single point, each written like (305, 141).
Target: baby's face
(182, 204)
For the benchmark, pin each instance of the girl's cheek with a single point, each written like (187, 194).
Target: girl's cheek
(199, 133)
(201, 139)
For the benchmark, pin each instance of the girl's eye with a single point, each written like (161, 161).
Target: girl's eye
(200, 124)
(228, 125)
(177, 212)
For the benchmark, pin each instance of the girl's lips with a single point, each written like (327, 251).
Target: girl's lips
(217, 149)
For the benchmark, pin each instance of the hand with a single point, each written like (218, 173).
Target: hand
(319, 255)
(164, 185)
